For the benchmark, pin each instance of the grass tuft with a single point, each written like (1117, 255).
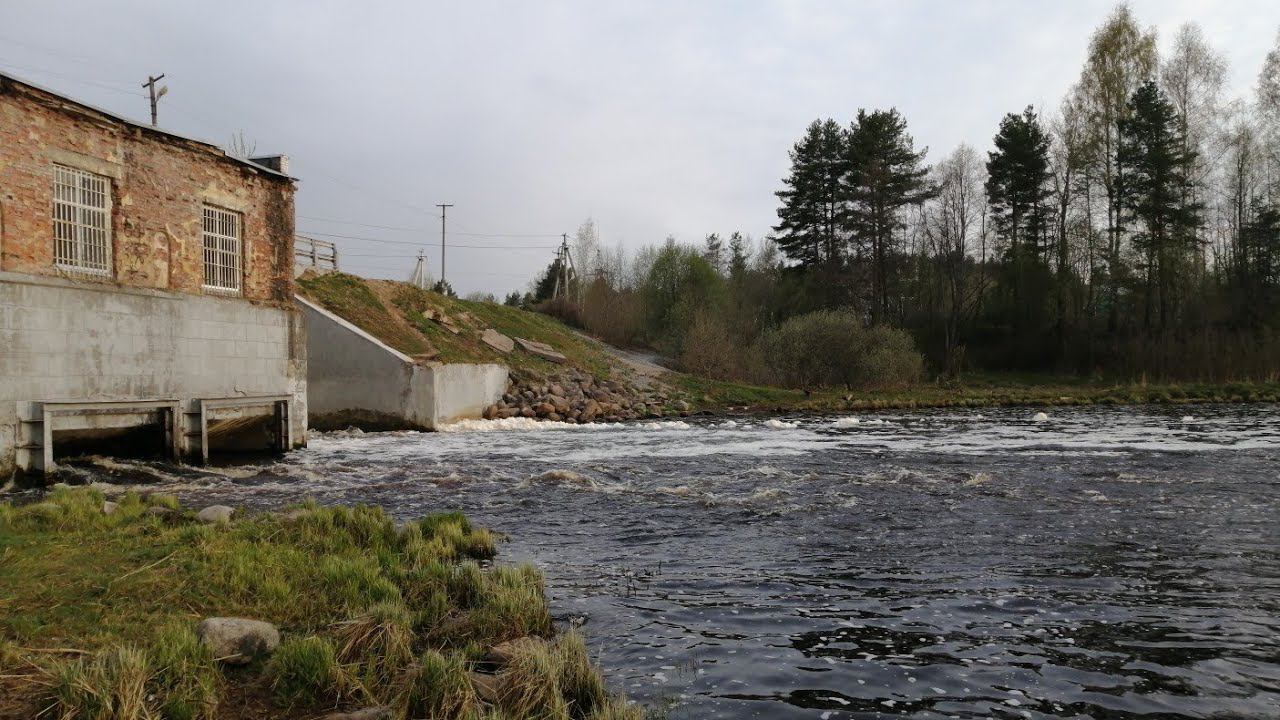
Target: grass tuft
(305, 671)
(186, 676)
(379, 642)
(111, 686)
(437, 687)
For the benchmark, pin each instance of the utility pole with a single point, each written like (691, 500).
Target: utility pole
(155, 93)
(444, 210)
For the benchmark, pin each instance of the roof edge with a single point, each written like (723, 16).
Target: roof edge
(6, 77)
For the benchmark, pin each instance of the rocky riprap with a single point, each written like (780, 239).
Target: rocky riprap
(575, 396)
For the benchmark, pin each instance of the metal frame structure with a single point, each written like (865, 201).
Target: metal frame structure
(81, 221)
(223, 241)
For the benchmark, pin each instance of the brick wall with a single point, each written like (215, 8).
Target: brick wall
(159, 184)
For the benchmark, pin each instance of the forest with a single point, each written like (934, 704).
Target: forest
(1131, 232)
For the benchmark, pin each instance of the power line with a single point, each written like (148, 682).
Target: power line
(460, 233)
(417, 243)
(73, 79)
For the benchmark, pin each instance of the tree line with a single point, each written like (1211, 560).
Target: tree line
(1132, 231)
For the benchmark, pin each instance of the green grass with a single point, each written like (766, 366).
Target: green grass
(97, 612)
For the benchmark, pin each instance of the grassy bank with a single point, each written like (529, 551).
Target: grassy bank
(972, 391)
(98, 617)
(432, 326)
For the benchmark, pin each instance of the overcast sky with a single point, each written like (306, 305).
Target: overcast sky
(653, 118)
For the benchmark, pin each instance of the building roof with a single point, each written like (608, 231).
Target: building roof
(6, 77)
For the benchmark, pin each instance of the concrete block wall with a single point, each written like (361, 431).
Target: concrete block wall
(68, 341)
(355, 379)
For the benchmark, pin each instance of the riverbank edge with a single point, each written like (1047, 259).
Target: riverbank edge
(106, 604)
(726, 398)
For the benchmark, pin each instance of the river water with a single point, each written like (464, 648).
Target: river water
(1104, 563)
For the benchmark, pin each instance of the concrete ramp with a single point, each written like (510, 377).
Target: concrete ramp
(355, 379)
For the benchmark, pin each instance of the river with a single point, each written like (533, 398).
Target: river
(1097, 562)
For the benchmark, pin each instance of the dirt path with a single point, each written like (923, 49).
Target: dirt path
(646, 365)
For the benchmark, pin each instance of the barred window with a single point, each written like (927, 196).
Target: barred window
(222, 250)
(81, 221)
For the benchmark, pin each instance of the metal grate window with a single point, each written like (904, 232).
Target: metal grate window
(222, 250)
(81, 221)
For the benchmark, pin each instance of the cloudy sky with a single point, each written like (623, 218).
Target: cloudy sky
(653, 118)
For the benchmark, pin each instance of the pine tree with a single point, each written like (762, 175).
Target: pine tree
(884, 174)
(812, 199)
(1018, 188)
(1018, 184)
(1154, 165)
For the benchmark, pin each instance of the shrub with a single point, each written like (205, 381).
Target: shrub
(708, 350)
(832, 348)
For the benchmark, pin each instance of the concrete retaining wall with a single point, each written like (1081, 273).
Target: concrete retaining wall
(84, 342)
(355, 379)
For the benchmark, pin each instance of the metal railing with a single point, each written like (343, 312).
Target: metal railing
(312, 254)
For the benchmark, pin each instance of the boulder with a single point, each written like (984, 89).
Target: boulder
(490, 412)
(486, 687)
(238, 640)
(497, 341)
(109, 508)
(215, 514)
(542, 350)
(379, 712)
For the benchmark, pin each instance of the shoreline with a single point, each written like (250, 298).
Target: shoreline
(717, 397)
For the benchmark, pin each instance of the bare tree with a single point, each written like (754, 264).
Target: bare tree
(954, 224)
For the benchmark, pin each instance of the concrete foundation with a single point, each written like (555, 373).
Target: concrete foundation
(354, 379)
(92, 357)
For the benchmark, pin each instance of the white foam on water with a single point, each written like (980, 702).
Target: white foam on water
(1188, 419)
(776, 424)
(667, 425)
(1040, 417)
(507, 424)
(846, 422)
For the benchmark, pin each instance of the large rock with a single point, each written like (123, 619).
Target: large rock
(215, 514)
(542, 350)
(109, 508)
(497, 341)
(238, 640)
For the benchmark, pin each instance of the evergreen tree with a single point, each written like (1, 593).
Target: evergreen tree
(1018, 184)
(1154, 164)
(884, 174)
(812, 199)
(1018, 188)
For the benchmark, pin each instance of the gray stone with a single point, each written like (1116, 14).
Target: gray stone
(497, 341)
(215, 514)
(542, 350)
(109, 508)
(237, 640)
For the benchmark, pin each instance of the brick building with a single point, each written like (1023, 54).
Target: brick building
(146, 288)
